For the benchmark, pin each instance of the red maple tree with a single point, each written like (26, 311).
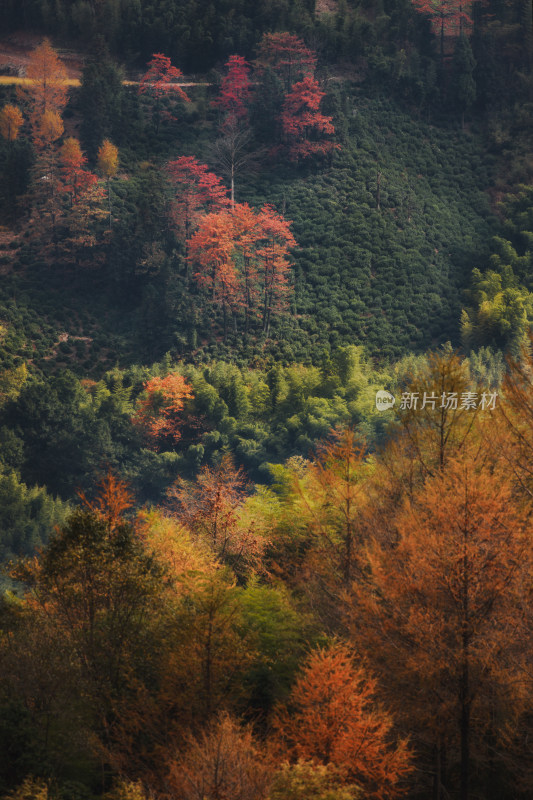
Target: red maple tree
(287, 56)
(235, 89)
(302, 123)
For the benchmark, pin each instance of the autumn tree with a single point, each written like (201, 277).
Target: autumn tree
(47, 190)
(160, 412)
(329, 499)
(448, 18)
(11, 120)
(80, 216)
(210, 248)
(242, 260)
(113, 497)
(210, 508)
(332, 718)
(76, 180)
(108, 165)
(303, 126)
(160, 81)
(197, 192)
(439, 409)
(199, 652)
(235, 91)
(287, 56)
(46, 89)
(274, 266)
(95, 583)
(225, 760)
(441, 611)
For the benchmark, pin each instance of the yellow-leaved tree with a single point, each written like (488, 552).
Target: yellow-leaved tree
(108, 166)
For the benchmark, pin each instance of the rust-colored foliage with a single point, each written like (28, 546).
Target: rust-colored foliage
(303, 126)
(112, 499)
(242, 260)
(11, 120)
(332, 718)
(287, 56)
(440, 611)
(47, 89)
(160, 413)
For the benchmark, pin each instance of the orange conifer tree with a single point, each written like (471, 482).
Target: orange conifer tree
(331, 718)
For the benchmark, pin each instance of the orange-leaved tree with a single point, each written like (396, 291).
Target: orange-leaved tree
(112, 499)
(46, 88)
(160, 412)
(11, 120)
(76, 179)
(441, 613)
(108, 166)
(242, 260)
(332, 718)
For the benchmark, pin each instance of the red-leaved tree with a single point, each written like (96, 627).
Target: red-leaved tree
(448, 17)
(197, 192)
(241, 257)
(303, 126)
(287, 56)
(160, 80)
(235, 90)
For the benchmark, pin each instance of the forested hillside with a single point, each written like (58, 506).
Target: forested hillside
(265, 400)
